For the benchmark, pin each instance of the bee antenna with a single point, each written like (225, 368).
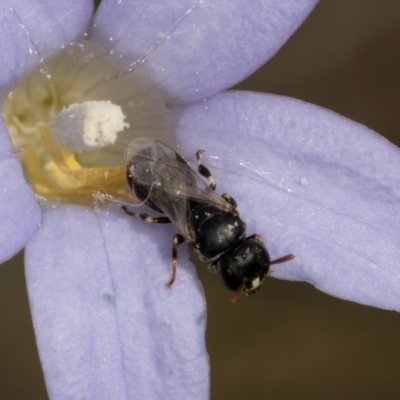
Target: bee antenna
(237, 293)
(282, 259)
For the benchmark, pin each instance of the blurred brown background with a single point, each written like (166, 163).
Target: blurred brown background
(290, 341)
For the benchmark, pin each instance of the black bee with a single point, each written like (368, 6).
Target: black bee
(208, 222)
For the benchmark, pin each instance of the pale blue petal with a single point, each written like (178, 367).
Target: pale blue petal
(32, 30)
(106, 325)
(311, 183)
(192, 49)
(20, 214)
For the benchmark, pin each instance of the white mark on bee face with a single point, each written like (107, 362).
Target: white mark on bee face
(255, 283)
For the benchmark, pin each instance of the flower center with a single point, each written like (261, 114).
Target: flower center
(68, 155)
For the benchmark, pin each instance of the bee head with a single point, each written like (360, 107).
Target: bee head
(244, 267)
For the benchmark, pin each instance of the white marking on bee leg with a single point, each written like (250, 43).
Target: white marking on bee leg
(203, 170)
(146, 217)
(178, 239)
(256, 237)
(229, 199)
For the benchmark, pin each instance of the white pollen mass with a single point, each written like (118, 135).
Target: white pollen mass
(88, 126)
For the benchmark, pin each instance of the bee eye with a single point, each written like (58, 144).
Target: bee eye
(129, 177)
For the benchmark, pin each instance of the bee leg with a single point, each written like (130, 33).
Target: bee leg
(213, 268)
(146, 218)
(178, 239)
(203, 170)
(256, 237)
(229, 199)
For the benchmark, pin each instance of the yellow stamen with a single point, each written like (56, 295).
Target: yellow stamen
(56, 175)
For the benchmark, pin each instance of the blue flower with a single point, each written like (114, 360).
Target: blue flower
(321, 187)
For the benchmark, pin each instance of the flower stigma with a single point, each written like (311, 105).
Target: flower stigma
(71, 120)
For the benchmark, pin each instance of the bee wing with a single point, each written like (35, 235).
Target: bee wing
(170, 180)
(180, 180)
